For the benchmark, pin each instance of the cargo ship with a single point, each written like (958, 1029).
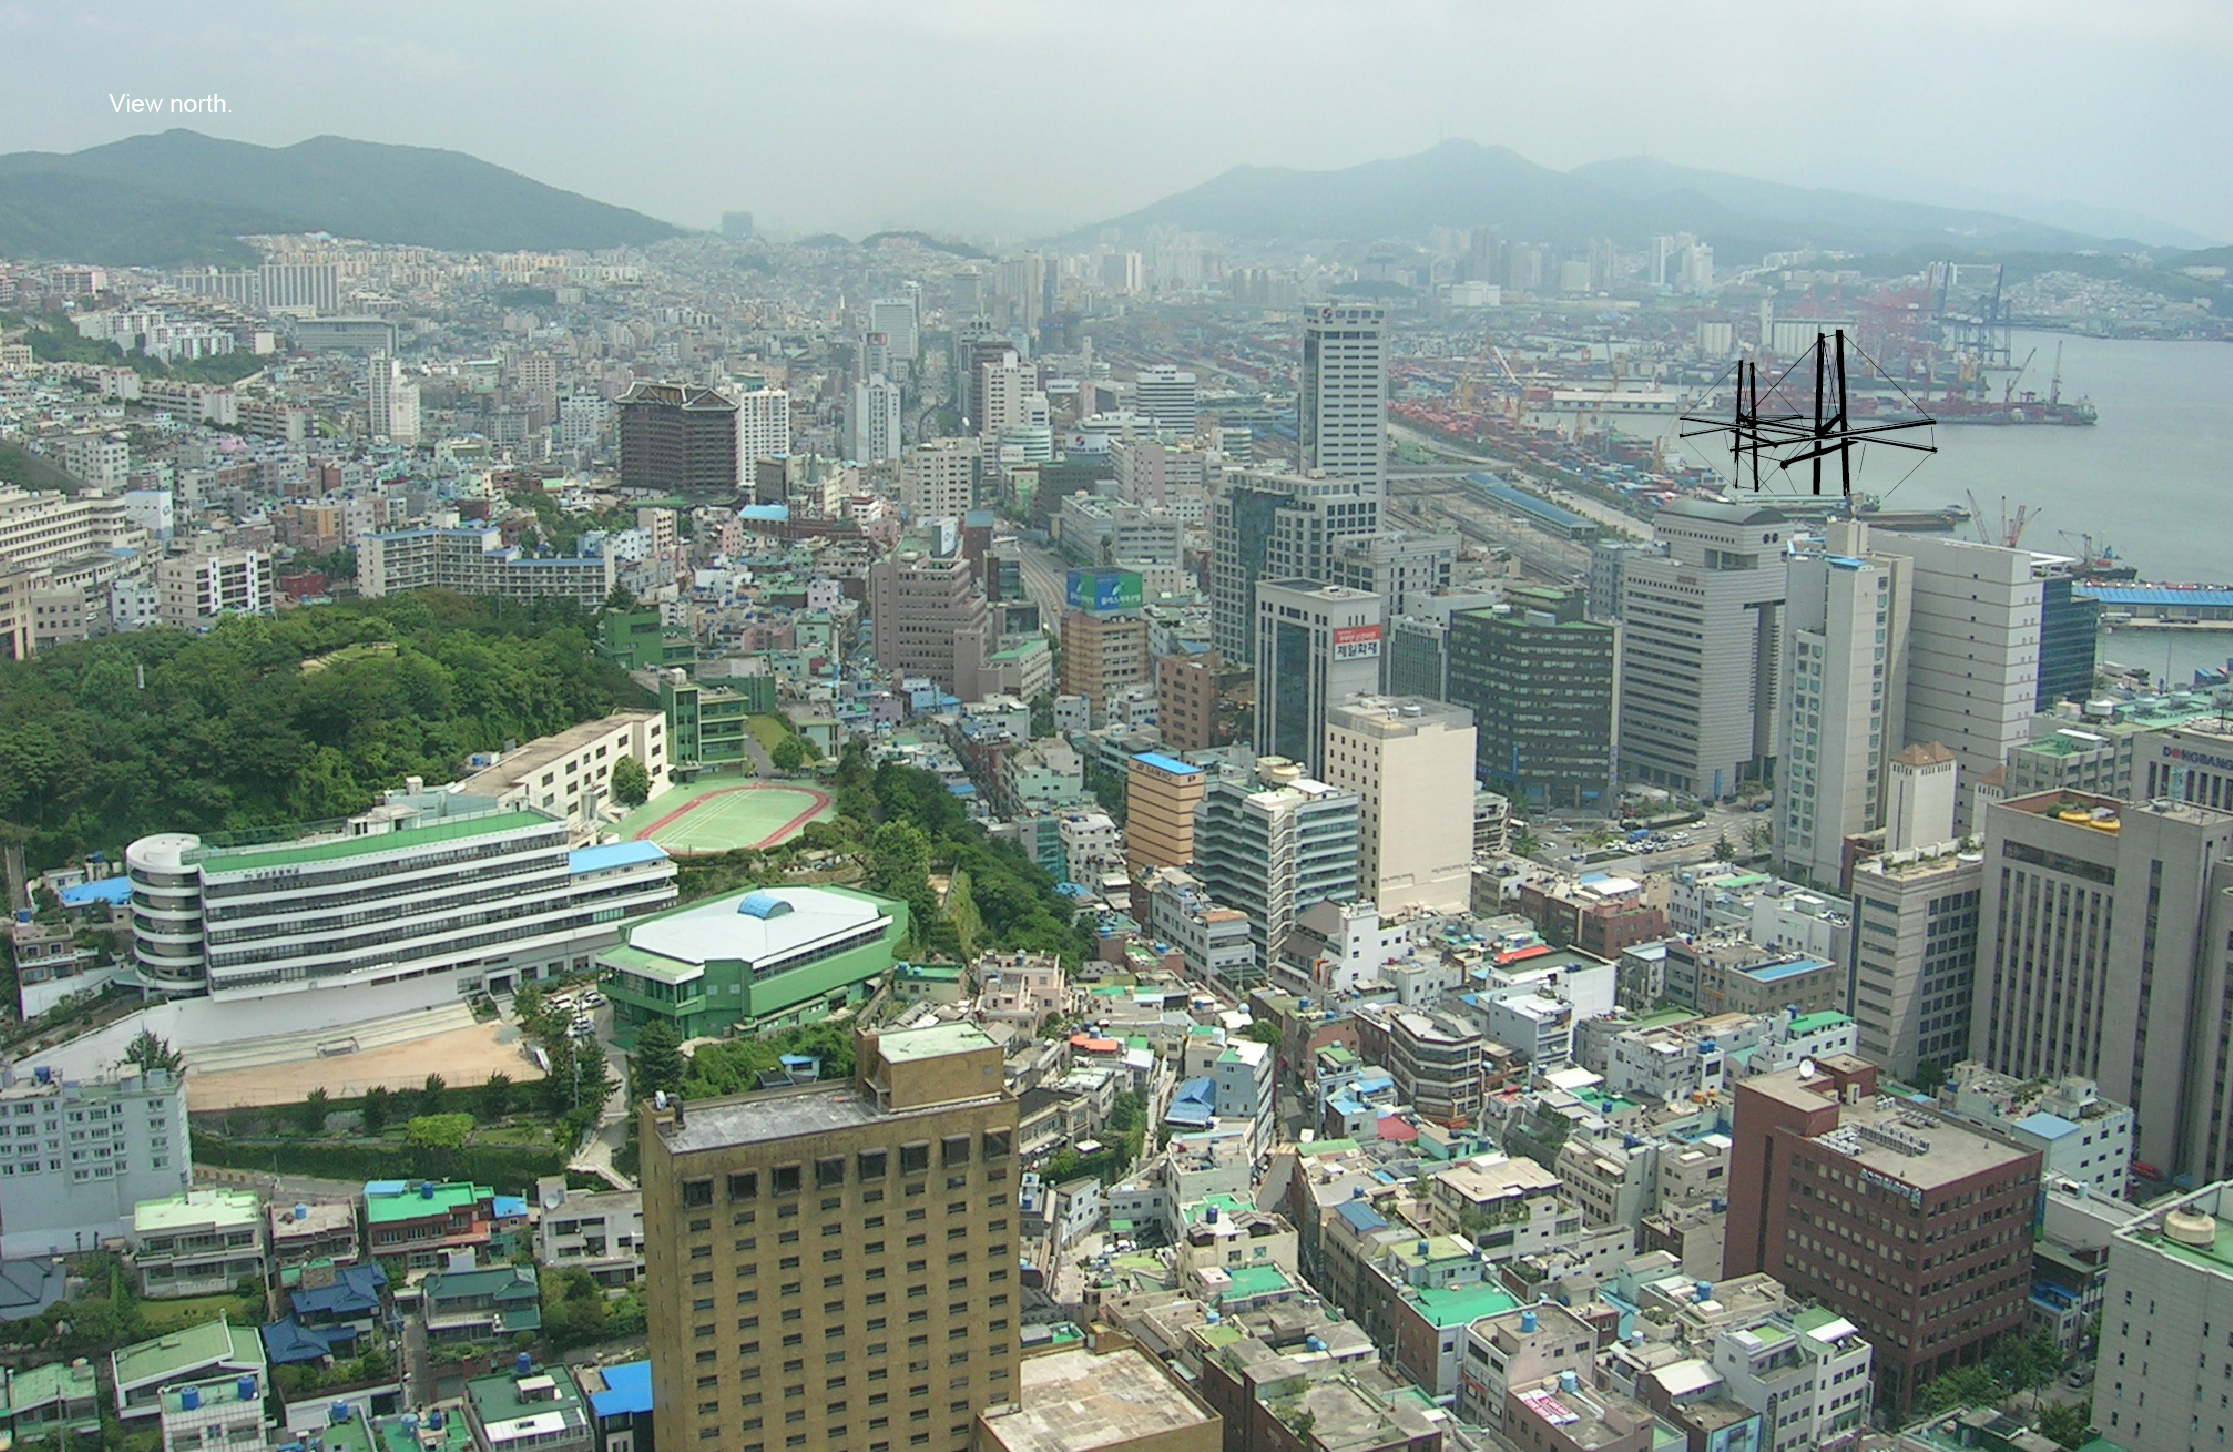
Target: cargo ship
(2019, 408)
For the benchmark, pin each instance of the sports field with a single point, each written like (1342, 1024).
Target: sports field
(717, 815)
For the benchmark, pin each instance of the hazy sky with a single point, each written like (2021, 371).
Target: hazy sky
(852, 114)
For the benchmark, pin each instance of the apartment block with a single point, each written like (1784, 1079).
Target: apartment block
(1410, 763)
(198, 1243)
(475, 561)
(81, 1155)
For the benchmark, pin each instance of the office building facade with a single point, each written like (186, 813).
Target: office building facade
(1911, 967)
(1844, 699)
(1410, 763)
(835, 1264)
(1543, 684)
(938, 479)
(2160, 1386)
(1316, 647)
(1276, 527)
(1342, 404)
(1701, 650)
(680, 439)
(1271, 842)
(928, 618)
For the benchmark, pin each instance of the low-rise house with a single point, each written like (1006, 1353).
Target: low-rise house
(198, 1243)
(619, 1405)
(529, 1411)
(480, 1305)
(302, 1232)
(142, 1371)
(41, 1402)
(422, 1221)
(599, 1231)
(220, 1414)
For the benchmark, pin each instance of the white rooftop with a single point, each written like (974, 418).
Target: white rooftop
(767, 925)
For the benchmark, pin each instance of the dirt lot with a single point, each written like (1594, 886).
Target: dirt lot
(463, 1057)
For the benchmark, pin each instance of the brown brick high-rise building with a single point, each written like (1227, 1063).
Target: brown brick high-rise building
(834, 1265)
(1911, 1226)
(676, 438)
(1186, 700)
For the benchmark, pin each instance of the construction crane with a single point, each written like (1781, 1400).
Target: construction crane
(2011, 526)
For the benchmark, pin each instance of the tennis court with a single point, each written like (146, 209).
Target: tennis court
(720, 816)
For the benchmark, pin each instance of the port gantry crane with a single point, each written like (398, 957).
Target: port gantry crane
(1780, 428)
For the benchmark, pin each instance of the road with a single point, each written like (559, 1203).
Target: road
(1043, 576)
(595, 1157)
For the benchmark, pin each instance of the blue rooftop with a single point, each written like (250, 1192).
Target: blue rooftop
(612, 854)
(1161, 762)
(115, 891)
(627, 1389)
(762, 905)
(1361, 1216)
(773, 512)
(1777, 972)
(2221, 596)
(2046, 1126)
(508, 1207)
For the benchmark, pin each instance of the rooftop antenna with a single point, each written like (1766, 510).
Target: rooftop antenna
(1774, 424)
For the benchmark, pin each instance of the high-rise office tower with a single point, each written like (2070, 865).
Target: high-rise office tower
(1701, 648)
(676, 438)
(1410, 762)
(1267, 526)
(1973, 648)
(2069, 633)
(896, 319)
(763, 427)
(2164, 1311)
(2106, 951)
(1103, 653)
(1401, 567)
(1166, 395)
(1186, 700)
(826, 1261)
(391, 403)
(1844, 689)
(1270, 842)
(1342, 402)
(928, 618)
(1023, 290)
(938, 478)
(1003, 386)
(1160, 795)
(1914, 1227)
(1316, 647)
(1911, 967)
(872, 422)
(1543, 685)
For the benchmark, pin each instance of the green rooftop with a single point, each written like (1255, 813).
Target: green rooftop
(2219, 1257)
(408, 1202)
(248, 859)
(38, 1386)
(217, 1206)
(934, 1042)
(1319, 1147)
(1460, 1305)
(212, 1343)
(1226, 1205)
(497, 1398)
(1258, 1280)
(1807, 1023)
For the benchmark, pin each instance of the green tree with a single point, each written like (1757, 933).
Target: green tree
(1761, 837)
(1965, 1386)
(314, 1111)
(962, 916)
(1723, 851)
(149, 1050)
(2066, 1424)
(431, 1094)
(1525, 843)
(496, 1096)
(438, 1131)
(575, 1312)
(1929, 1074)
(1262, 1031)
(658, 1063)
(631, 782)
(789, 754)
(376, 1108)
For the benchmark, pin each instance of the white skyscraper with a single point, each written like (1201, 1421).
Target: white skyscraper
(1702, 649)
(1408, 760)
(1342, 405)
(1166, 395)
(1973, 654)
(391, 403)
(763, 426)
(1004, 388)
(1845, 628)
(938, 478)
(895, 318)
(872, 421)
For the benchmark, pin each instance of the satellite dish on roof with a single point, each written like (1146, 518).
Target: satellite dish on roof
(1806, 1068)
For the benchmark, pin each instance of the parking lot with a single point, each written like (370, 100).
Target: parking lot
(1570, 846)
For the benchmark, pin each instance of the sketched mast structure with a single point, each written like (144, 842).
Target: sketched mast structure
(1775, 427)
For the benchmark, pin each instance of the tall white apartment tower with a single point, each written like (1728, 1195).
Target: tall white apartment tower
(391, 403)
(872, 421)
(938, 478)
(1702, 650)
(1845, 624)
(763, 427)
(1410, 761)
(1003, 386)
(1342, 405)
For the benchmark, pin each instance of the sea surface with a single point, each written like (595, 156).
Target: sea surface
(2153, 480)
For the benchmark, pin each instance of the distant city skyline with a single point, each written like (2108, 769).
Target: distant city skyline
(2072, 115)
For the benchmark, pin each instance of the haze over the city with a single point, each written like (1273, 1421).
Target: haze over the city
(991, 116)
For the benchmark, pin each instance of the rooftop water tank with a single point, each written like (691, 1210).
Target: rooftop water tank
(245, 1388)
(2192, 1228)
(190, 1398)
(1703, 1290)
(1528, 1322)
(1569, 1382)
(524, 1364)
(338, 1413)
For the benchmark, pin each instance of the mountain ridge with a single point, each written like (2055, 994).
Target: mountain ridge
(1465, 184)
(176, 197)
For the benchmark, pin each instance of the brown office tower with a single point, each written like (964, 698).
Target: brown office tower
(926, 617)
(1160, 795)
(677, 438)
(1186, 700)
(834, 1265)
(1103, 655)
(1911, 1226)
